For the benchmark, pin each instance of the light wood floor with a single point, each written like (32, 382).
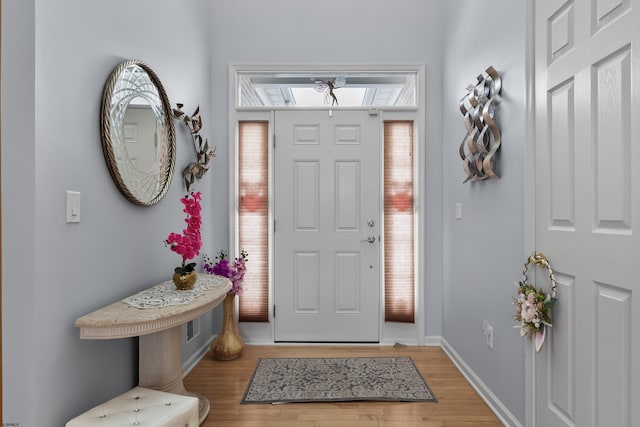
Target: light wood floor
(224, 383)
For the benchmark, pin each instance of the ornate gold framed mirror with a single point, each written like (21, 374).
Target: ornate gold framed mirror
(137, 132)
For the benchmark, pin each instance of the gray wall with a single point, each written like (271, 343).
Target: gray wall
(56, 59)
(484, 251)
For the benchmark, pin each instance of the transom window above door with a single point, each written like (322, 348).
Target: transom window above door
(364, 89)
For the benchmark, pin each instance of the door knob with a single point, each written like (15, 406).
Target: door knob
(370, 239)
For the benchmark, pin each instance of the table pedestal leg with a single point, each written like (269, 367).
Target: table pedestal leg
(160, 365)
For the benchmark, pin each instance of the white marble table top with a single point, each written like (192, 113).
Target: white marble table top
(122, 320)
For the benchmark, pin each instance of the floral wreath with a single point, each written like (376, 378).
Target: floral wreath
(533, 306)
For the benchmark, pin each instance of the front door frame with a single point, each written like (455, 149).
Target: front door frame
(529, 200)
(390, 332)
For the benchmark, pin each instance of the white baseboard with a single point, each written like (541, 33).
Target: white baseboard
(433, 341)
(498, 408)
(196, 357)
(256, 341)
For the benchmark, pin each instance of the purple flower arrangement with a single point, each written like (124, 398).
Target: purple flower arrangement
(233, 271)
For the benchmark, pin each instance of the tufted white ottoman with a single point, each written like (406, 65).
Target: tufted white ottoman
(142, 407)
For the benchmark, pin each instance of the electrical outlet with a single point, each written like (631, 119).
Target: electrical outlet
(489, 335)
(487, 331)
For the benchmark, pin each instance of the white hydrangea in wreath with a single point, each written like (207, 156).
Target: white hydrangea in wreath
(533, 306)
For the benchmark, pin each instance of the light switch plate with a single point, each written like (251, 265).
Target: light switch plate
(73, 206)
(458, 210)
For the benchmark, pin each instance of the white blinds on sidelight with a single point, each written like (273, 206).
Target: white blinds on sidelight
(253, 217)
(398, 222)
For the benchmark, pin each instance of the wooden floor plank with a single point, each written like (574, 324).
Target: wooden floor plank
(224, 384)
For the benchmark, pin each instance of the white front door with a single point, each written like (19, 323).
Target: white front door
(327, 216)
(587, 210)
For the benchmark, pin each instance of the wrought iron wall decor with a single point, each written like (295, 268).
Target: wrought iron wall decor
(482, 141)
(204, 154)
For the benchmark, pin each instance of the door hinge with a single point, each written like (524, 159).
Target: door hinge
(274, 310)
(274, 140)
(274, 225)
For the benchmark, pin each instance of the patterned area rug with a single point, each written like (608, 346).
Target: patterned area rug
(337, 380)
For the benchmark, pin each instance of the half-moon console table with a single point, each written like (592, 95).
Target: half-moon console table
(159, 329)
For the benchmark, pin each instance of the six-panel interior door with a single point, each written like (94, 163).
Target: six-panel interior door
(140, 137)
(587, 210)
(327, 208)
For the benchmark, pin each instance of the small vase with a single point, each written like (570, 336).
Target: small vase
(228, 345)
(186, 281)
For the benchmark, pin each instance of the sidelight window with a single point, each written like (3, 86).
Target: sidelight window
(253, 219)
(398, 222)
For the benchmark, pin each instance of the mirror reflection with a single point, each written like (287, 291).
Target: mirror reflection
(138, 134)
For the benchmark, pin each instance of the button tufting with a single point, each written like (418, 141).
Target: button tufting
(121, 405)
